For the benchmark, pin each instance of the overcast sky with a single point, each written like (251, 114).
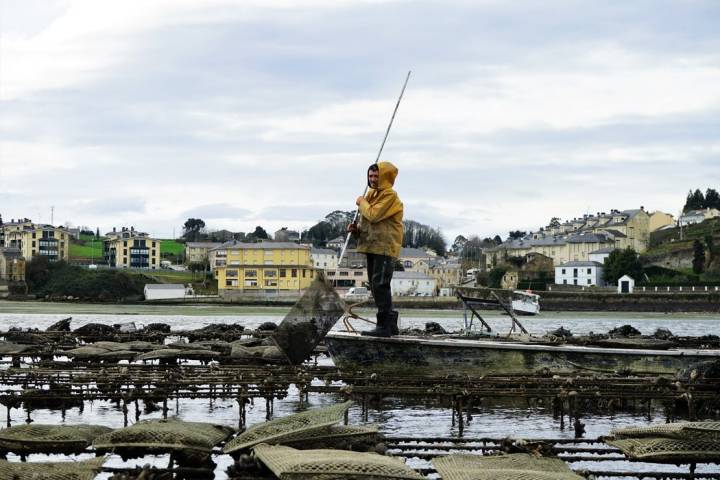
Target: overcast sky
(262, 112)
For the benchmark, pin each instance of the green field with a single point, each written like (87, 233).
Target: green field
(172, 247)
(88, 247)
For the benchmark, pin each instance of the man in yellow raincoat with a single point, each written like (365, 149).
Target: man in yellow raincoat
(379, 236)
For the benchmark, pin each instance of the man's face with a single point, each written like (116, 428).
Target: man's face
(373, 178)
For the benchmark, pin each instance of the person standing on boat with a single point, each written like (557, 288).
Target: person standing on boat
(379, 235)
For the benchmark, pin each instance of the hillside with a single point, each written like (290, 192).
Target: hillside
(667, 250)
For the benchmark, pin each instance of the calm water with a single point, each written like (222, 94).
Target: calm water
(396, 417)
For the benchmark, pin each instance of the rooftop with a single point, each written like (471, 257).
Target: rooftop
(580, 264)
(411, 276)
(203, 244)
(165, 286)
(408, 252)
(264, 246)
(322, 251)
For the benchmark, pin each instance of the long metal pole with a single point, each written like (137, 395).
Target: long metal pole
(377, 159)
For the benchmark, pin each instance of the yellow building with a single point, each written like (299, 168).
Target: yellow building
(197, 252)
(265, 267)
(12, 265)
(659, 220)
(129, 248)
(36, 239)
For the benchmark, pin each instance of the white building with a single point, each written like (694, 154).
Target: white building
(600, 254)
(165, 291)
(697, 216)
(626, 284)
(336, 243)
(579, 273)
(324, 258)
(412, 283)
(347, 277)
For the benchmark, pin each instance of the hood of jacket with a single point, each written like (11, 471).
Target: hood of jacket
(387, 174)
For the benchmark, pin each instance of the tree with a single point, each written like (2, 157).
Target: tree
(622, 262)
(710, 247)
(694, 201)
(418, 235)
(698, 263)
(712, 198)
(97, 233)
(192, 229)
(497, 240)
(554, 222)
(332, 226)
(37, 272)
(495, 277)
(516, 234)
(260, 233)
(458, 244)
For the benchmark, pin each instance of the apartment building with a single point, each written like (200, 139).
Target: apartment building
(129, 248)
(264, 268)
(198, 252)
(36, 239)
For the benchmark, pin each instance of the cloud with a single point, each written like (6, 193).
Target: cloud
(218, 211)
(268, 112)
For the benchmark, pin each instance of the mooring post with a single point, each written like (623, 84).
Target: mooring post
(461, 423)
(137, 410)
(452, 409)
(165, 408)
(125, 411)
(8, 415)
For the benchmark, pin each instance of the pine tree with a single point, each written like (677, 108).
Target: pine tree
(712, 198)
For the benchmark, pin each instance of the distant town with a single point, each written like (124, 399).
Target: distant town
(649, 250)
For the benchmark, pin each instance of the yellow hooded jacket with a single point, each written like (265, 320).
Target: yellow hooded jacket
(380, 230)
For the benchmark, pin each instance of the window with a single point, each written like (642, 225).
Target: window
(270, 273)
(304, 272)
(293, 272)
(565, 282)
(251, 283)
(250, 273)
(271, 283)
(575, 273)
(33, 236)
(344, 274)
(231, 283)
(589, 271)
(125, 243)
(231, 273)
(33, 243)
(283, 273)
(125, 251)
(153, 253)
(575, 281)
(358, 274)
(563, 271)
(589, 281)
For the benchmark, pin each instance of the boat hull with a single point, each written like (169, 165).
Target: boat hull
(446, 356)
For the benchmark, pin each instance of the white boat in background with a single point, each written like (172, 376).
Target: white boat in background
(525, 303)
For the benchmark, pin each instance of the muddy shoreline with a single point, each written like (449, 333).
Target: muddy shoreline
(700, 302)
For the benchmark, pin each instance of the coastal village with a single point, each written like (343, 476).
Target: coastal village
(359, 240)
(568, 254)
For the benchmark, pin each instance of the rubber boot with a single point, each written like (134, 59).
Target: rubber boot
(392, 323)
(381, 330)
